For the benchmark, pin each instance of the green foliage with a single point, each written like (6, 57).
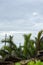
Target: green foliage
(31, 63)
(35, 63)
(7, 48)
(28, 50)
(17, 63)
(38, 63)
(26, 44)
(38, 40)
(3, 53)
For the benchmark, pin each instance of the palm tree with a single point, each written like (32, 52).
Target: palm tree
(27, 45)
(11, 47)
(38, 40)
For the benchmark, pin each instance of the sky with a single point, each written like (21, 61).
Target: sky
(20, 16)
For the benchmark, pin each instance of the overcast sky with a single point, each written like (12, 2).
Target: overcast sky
(21, 15)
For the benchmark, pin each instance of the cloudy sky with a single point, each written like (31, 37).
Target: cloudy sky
(19, 16)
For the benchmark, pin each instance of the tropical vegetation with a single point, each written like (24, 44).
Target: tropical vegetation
(27, 51)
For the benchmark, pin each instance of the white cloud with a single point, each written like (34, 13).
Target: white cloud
(35, 14)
